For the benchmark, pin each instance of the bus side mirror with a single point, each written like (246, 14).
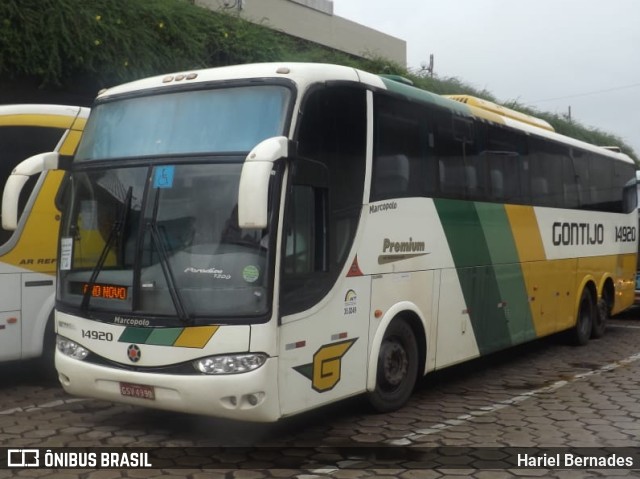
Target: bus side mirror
(11, 195)
(253, 193)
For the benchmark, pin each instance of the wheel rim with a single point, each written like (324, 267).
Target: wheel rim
(395, 364)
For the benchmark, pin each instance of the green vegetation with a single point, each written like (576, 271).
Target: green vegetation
(92, 44)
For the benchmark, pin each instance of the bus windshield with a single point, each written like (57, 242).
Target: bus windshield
(161, 241)
(185, 122)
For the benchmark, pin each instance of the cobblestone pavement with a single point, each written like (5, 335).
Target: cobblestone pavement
(544, 394)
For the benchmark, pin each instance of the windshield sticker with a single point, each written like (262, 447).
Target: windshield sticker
(350, 303)
(66, 253)
(250, 273)
(163, 176)
(216, 273)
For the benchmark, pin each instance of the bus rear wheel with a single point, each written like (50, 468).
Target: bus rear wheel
(397, 369)
(602, 315)
(581, 332)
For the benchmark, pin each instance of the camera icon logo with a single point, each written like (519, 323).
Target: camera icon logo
(23, 458)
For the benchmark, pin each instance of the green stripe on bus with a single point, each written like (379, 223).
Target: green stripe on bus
(193, 337)
(464, 232)
(164, 336)
(479, 236)
(135, 335)
(424, 96)
(508, 270)
(497, 232)
(155, 336)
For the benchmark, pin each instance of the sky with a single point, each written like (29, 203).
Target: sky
(548, 54)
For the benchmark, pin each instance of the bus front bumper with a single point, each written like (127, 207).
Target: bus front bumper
(251, 396)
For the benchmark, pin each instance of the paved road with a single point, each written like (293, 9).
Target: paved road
(545, 394)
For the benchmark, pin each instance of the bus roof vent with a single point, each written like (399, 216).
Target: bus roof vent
(616, 149)
(398, 78)
(501, 110)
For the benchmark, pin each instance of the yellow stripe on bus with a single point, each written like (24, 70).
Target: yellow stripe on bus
(79, 123)
(71, 142)
(196, 337)
(526, 232)
(50, 121)
(35, 250)
(526, 235)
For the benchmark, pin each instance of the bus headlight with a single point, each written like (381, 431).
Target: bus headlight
(71, 348)
(230, 364)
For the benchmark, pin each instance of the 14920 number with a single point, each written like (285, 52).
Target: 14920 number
(97, 335)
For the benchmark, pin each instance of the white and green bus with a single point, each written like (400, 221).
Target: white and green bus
(255, 241)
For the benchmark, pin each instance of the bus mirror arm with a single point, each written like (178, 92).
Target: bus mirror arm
(13, 187)
(253, 192)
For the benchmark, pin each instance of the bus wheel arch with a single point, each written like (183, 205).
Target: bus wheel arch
(44, 364)
(397, 361)
(604, 308)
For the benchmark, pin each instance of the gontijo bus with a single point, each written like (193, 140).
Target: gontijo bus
(255, 241)
(28, 238)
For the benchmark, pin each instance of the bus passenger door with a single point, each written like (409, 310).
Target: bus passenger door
(324, 312)
(323, 352)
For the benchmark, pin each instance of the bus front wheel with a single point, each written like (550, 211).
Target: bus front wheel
(45, 363)
(397, 369)
(581, 332)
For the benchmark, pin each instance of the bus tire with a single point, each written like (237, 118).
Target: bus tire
(397, 369)
(581, 332)
(46, 363)
(602, 315)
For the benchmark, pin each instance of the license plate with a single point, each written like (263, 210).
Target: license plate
(137, 391)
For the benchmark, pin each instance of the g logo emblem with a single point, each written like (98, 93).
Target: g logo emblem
(325, 370)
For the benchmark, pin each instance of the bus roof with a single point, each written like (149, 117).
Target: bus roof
(501, 110)
(42, 109)
(304, 74)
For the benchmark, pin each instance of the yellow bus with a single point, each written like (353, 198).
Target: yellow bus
(256, 241)
(28, 238)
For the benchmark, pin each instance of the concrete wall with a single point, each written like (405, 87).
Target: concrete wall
(313, 20)
(325, 6)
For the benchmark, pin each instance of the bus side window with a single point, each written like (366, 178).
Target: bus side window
(401, 152)
(453, 177)
(626, 177)
(570, 187)
(305, 243)
(17, 143)
(539, 187)
(306, 269)
(327, 182)
(391, 176)
(604, 196)
(585, 191)
(497, 185)
(471, 176)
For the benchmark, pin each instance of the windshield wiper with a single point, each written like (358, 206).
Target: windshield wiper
(176, 297)
(116, 229)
